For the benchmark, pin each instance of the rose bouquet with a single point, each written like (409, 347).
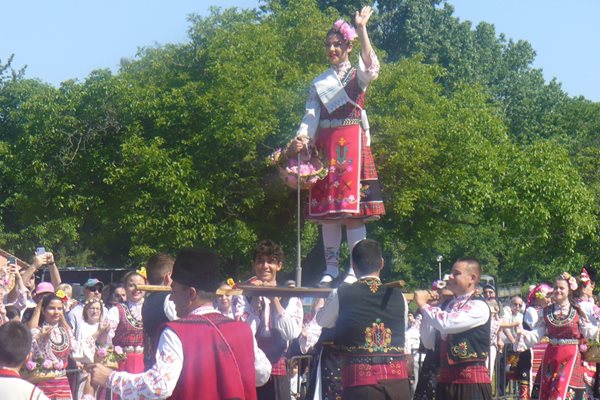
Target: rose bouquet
(109, 356)
(42, 369)
(307, 168)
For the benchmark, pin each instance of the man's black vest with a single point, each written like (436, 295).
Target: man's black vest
(371, 319)
(472, 345)
(153, 316)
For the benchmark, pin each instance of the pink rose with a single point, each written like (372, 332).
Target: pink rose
(47, 364)
(583, 347)
(30, 365)
(101, 352)
(118, 350)
(58, 364)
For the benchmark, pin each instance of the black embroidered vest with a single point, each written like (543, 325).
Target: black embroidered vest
(153, 315)
(472, 345)
(371, 319)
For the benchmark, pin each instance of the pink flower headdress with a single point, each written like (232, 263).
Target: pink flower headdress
(345, 29)
(570, 280)
(540, 291)
(584, 277)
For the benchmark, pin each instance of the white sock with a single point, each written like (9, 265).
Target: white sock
(332, 238)
(354, 235)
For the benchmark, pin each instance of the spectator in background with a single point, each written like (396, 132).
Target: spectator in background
(22, 292)
(41, 290)
(224, 302)
(15, 349)
(114, 294)
(65, 292)
(496, 344)
(92, 289)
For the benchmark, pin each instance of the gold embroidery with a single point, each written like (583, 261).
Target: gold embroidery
(378, 337)
(373, 283)
(461, 350)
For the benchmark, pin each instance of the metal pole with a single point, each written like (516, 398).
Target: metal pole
(298, 239)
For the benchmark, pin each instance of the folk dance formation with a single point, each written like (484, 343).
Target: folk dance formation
(196, 336)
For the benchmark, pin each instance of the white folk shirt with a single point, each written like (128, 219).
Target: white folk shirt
(461, 314)
(289, 323)
(159, 381)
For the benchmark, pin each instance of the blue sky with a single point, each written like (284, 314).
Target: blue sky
(66, 39)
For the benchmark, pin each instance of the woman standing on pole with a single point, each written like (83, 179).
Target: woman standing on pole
(336, 121)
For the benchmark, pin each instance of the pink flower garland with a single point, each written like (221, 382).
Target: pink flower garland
(345, 29)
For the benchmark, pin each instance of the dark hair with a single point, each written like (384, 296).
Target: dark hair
(572, 299)
(473, 263)
(199, 268)
(45, 302)
(109, 293)
(367, 256)
(270, 249)
(591, 272)
(334, 31)
(158, 266)
(15, 344)
(12, 312)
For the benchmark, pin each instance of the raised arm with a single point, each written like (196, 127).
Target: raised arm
(360, 21)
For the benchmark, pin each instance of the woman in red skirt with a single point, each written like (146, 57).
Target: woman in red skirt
(126, 324)
(336, 121)
(565, 325)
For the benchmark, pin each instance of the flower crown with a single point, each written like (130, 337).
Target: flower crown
(570, 280)
(90, 301)
(345, 29)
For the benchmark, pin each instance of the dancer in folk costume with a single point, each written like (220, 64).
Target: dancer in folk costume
(566, 325)
(126, 324)
(585, 299)
(462, 332)
(531, 360)
(335, 119)
(53, 343)
(369, 320)
(203, 355)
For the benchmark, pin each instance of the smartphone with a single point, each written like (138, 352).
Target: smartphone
(40, 251)
(12, 260)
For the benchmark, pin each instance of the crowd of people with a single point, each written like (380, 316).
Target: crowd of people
(365, 341)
